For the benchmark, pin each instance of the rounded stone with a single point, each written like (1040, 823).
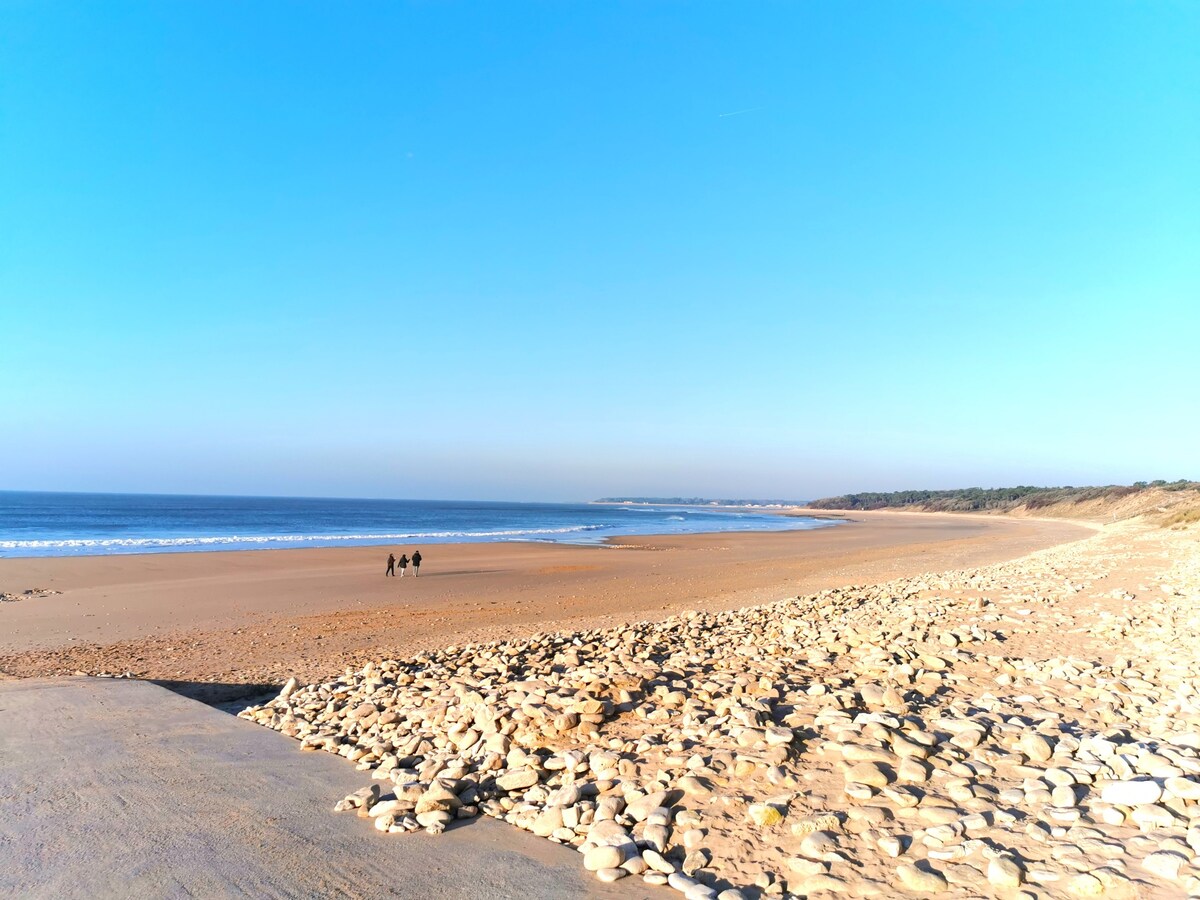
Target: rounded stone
(890, 846)
(517, 780)
(1036, 746)
(859, 791)
(1164, 864)
(603, 858)
(1003, 871)
(805, 868)
(658, 862)
(921, 881)
(819, 845)
(1183, 788)
(868, 773)
(1131, 793)
(1063, 796)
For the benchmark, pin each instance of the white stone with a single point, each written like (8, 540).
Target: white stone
(1004, 872)
(1165, 864)
(1131, 793)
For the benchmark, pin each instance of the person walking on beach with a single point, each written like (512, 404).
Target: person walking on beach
(391, 570)
(416, 563)
(403, 563)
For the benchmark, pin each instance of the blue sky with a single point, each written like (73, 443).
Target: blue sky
(555, 251)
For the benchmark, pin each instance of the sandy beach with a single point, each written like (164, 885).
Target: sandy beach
(228, 620)
(1025, 729)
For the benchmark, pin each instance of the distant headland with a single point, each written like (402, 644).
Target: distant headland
(1180, 499)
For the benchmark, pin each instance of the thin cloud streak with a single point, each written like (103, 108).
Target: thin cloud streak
(738, 112)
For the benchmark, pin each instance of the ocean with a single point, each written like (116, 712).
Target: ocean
(62, 524)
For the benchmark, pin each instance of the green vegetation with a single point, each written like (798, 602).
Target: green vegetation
(976, 499)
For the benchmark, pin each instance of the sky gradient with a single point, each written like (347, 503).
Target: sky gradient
(556, 251)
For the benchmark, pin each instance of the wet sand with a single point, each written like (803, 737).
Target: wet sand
(237, 619)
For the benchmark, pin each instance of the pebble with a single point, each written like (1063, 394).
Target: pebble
(656, 836)
(658, 862)
(1086, 884)
(434, 817)
(695, 860)
(913, 770)
(1151, 817)
(868, 773)
(1131, 793)
(765, 815)
(821, 845)
(701, 733)
(922, 881)
(805, 868)
(1005, 872)
(1165, 864)
(642, 808)
(681, 882)
(1184, 788)
(891, 846)
(1037, 747)
(516, 780)
(604, 857)
(1063, 796)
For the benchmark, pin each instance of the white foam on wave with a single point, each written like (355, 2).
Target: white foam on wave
(80, 543)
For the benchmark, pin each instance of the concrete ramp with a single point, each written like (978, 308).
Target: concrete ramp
(121, 788)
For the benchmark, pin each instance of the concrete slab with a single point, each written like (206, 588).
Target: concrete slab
(121, 788)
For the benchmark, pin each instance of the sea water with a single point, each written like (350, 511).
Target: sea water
(62, 524)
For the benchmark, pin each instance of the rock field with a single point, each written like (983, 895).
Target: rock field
(1029, 729)
(31, 593)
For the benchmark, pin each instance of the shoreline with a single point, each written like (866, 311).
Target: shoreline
(256, 543)
(246, 617)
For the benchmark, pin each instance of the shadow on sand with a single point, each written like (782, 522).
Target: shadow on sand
(222, 695)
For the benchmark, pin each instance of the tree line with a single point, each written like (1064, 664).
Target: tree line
(976, 498)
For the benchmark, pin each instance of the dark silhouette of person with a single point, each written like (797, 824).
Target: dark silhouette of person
(391, 565)
(416, 561)
(403, 563)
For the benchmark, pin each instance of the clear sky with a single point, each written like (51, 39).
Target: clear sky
(563, 250)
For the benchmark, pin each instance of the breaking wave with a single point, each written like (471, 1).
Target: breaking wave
(152, 543)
